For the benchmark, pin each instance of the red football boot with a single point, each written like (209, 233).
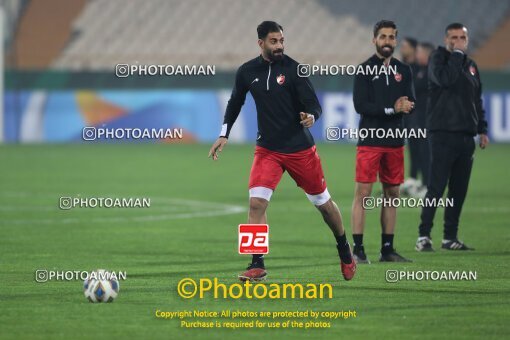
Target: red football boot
(254, 273)
(348, 270)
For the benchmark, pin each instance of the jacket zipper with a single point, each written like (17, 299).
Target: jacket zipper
(387, 80)
(268, 75)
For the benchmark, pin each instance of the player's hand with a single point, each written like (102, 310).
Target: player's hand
(403, 105)
(484, 141)
(217, 147)
(407, 106)
(398, 104)
(307, 120)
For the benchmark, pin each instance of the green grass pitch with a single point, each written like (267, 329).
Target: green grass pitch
(191, 231)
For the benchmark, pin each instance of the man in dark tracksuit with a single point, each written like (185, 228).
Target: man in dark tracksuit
(454, 116)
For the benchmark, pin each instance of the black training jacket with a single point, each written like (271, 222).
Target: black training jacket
(375, 97)
(455, 94)
(280, 95)
(421, 81)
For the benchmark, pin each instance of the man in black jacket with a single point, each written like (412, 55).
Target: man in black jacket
(381, 101)
(454, 116)
(286, 107)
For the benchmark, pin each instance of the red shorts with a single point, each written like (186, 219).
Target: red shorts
(303, 166)
(387, 161)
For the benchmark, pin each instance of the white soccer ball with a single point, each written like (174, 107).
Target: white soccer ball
(101, 286)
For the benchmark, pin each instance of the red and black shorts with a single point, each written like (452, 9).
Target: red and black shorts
(387, 162)
(303, 166)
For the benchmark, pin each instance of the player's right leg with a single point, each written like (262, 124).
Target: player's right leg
(256, 270)
(361, 192)
(265, 175)
(367, 165)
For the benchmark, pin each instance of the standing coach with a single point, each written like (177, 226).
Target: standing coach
(454, 116)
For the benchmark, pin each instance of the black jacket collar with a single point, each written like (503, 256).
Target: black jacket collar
(445, 52)
(374, 58)
(263, 61)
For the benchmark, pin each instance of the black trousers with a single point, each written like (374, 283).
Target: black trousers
(419, 158)
(451, 160)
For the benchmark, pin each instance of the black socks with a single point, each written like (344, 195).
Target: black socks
(386, 243)
(358, 242)
(343, 248)
(258, 259)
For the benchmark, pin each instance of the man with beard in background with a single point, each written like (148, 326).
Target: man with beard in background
(381, 101)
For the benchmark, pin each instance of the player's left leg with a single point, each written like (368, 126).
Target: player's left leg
(391, 175)
(306, 170)
(333, 218)
(457, 191)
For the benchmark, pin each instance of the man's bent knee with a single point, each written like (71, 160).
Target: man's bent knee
(258, 204)
(319, 199)
(261, 192)
(363, 190)
(392, 191)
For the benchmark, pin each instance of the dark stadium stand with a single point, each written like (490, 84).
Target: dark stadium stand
(93, 35)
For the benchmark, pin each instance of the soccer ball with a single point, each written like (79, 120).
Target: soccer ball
(101, 286)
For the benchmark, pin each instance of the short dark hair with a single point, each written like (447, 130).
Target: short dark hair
(384, 24)
(267, 27)
(454, 26)
(411, 41)
(426, 45)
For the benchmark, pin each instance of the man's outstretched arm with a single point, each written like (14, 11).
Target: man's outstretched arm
(217, 147)
(234, 106)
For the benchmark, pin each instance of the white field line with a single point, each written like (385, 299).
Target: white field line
(185, 209)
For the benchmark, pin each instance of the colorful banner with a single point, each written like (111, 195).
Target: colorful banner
(60, 116)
